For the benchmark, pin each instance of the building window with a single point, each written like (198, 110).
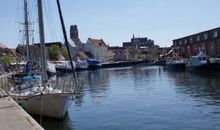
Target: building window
(215, 34)
(180, 43)
(212, 46)
(205, 36)
(198, 38)
(176, 43)
(185, 41)
(191, 39)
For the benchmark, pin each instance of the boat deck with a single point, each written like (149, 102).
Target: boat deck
(13, 117)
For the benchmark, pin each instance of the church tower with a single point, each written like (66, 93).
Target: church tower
(74, 35)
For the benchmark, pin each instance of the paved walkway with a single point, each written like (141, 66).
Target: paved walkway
(13, 117)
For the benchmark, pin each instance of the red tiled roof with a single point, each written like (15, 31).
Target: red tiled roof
(13, 51)
(97, 42)
(2, 45)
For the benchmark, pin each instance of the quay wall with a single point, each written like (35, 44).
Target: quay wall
(123, 64)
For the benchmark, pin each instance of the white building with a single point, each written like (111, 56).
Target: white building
(98, 49)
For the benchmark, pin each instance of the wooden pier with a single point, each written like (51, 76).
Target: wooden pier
(12, 116)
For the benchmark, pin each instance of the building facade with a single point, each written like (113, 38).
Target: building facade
(207, 41)
(139, 47)
(142, 45)
(139, 43)
(98, 48)
(119, 53)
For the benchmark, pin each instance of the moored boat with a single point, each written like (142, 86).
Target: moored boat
(202, 62)
(175, 62)
(50, 68)
(81, 65)
(64, 66)
(39, 95)
(36, 99)
(94, 64)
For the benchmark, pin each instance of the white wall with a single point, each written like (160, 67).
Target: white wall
(100, 53)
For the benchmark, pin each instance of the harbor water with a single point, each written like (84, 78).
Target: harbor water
(143, 98)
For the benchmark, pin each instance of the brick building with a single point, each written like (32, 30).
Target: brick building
(142, 45)
(208, 41)
(119, 53)
(139, 43)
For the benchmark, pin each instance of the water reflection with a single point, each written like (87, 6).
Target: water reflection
(101, 79)
(199, 85)
(56, 124)
(144, 97)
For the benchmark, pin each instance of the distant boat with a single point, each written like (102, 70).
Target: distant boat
(64, 66)
(93, 63)
(50, 68)
(201, 62)
(27, 66)
(175, 64)
(81, 65)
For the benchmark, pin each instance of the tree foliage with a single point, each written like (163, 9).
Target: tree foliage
(65, 53)
(53, 52)
(6, 59)
(155, 51)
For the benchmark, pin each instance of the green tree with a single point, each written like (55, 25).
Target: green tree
(53, 52)
(6, 59)
(65, 53)
(142, 56)
(154, 51)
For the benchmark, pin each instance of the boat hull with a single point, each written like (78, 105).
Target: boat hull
(94, 64)
(63, 67)
(51, 69)
(205, 67)
(49, 105)
(50, 73)
(81, 66)
(179, 66)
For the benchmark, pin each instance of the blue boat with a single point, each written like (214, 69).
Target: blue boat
(94, 64)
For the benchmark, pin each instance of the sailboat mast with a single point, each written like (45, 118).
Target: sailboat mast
(42, 40)
(65, 37)
(26, 23)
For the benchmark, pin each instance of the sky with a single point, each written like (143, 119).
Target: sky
(115, 21)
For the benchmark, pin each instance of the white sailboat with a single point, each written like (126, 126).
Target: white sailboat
(39, 96)
(50, 68)
(81, 65)
(64, 66)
